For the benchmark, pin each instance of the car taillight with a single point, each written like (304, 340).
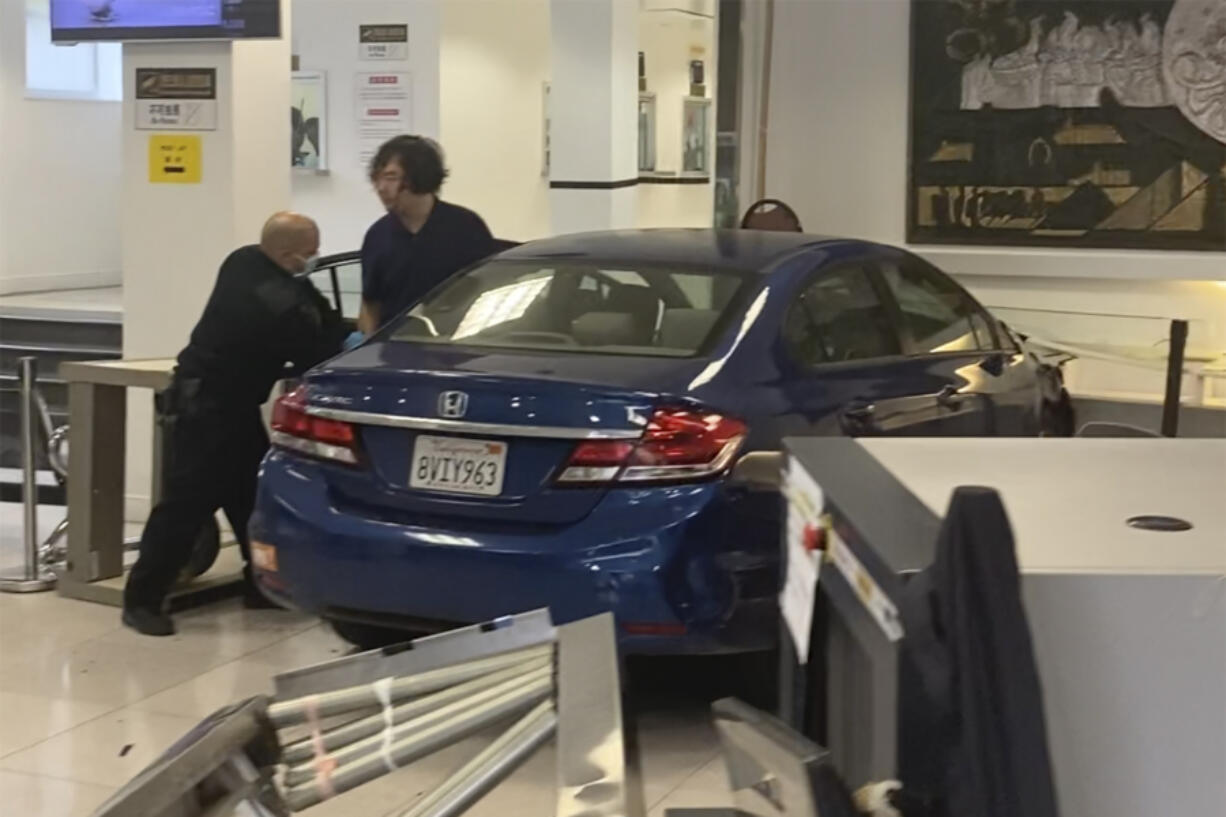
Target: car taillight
(295, 429)
(677, 445)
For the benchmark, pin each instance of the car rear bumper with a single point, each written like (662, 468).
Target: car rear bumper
(634, 555)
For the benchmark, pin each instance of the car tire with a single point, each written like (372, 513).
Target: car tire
(756, 678)
(368, 636)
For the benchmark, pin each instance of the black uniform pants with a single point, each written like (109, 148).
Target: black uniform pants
(212, 462)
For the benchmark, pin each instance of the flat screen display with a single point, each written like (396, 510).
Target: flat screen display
(116, 20)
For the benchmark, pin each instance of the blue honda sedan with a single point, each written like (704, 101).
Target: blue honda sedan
(555, 427)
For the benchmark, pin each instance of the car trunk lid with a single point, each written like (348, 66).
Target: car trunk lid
(453, 439)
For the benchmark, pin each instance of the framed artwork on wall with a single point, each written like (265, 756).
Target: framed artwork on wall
(695, 135)
(309, 120)
(647, 132)
(1068, 123)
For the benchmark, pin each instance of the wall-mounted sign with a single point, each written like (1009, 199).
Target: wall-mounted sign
(806, 504)
(383, 42)
(384, 110)
(176, 99)
(698, 78)
(174, 159)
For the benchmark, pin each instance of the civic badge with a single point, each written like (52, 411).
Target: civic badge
(452, 405)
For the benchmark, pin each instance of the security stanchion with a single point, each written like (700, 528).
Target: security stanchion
(32, 576)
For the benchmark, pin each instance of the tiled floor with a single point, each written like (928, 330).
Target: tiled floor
(86, 704)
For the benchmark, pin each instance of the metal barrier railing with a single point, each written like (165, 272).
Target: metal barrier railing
(1132, 348)
(519, 674)
(51, 554)
(34, 575)
(43, 562)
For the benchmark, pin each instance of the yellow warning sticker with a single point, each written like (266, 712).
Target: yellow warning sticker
(174, 159)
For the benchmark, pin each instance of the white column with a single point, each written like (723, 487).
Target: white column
(175, 236)
(594, 103)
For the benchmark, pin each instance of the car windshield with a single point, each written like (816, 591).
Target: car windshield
(590, 308)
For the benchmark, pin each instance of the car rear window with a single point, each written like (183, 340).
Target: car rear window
(590, 308)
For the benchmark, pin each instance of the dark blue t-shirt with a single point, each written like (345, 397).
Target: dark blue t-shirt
(399, 267)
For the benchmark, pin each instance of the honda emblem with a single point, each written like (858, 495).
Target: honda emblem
(452, 405)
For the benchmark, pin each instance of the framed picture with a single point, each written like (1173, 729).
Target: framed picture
(309, 120)
(698, 78)
(1068, 123)
(696, 135)
(647, 132)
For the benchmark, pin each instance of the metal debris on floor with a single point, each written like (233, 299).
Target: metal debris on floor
(335, 726)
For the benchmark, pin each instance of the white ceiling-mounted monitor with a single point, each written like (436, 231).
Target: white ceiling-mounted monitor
(74, 21)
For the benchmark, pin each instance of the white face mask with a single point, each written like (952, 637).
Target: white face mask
(310, 264)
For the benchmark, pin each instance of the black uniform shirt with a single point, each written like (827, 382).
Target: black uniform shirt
(258, 319)
(399, 267)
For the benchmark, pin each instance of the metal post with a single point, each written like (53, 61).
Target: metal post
(333, 739)
(1174, 378)
(330, 780)
(338, 702)
(534, 684)
(484, 772)
(31, 577)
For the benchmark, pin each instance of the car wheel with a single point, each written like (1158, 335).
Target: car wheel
(756, 677)
(368, 636)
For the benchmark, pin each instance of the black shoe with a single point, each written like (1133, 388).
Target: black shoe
(148, 622)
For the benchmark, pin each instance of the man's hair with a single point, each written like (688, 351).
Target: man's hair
(420, 158)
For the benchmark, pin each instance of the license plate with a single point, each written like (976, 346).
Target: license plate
(453, 466)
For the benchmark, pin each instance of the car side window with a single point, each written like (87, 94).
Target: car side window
(837, 318)
(938, 315)
(322, 281)
(342, 281)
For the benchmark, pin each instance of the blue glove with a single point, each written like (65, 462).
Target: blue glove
(354, 340)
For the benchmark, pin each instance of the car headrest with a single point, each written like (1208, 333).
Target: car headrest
(773, 215)
(606, 329)
(641, 302)
(686, 328)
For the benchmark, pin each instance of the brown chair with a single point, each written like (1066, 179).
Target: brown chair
(771, 214)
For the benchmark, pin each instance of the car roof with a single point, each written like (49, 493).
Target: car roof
(745, 250)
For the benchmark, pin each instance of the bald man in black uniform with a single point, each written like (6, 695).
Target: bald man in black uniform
(261, 324)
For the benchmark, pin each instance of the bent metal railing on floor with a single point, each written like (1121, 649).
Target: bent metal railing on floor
(518, 673)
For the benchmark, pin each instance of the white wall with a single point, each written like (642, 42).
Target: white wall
(593, 119)
(59, 180)
(670, 39)
(837, 152)
(175, 236)
(325, 38)
(494, 59)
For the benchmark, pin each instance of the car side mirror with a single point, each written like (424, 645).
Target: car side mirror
(993, 364)
(758, 471)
